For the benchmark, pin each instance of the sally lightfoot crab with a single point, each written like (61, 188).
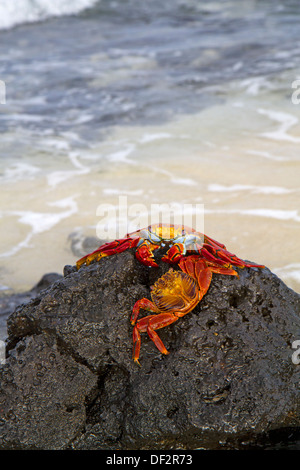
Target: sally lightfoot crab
(176, 293)
(173, 295)
(179, 239)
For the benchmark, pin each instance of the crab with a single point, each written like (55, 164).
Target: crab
(173, 295)
(180, 241)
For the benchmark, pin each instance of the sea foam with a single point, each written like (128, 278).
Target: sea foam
(40, 221)
(285, 120)
(251, 188)
(14, 12)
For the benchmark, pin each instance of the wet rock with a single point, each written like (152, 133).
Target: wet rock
(9, 302)
(69, 381)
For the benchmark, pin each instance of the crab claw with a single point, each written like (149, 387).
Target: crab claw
(174, 254)
(144, 254)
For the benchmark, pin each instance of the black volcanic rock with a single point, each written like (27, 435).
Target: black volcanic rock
(10, 301)
(69, 381)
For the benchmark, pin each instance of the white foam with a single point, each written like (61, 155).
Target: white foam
(81, 119)
(151, 137)
(286, 122)
(113, 191)
(255, 84)
(269, 213)
(20, 171)
(238, 104)
(267, 155)
(122, 155)
(253, 189)
(237, 66)
(57, 177)
(173, 178)
(40, 221)
(13, 12)
(274, 214)
(21, 117)
(58, 144)
(183, 181)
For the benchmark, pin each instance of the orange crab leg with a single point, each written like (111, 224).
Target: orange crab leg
(226, 256)
(145, 304)
(202, 270)
(174, 254)
(223, 257)
(156, 339)
(194, 266)
(210, 242)
(199, 269)
(149, 324)
(144, 253)
(213, 242)
(207, 255)
(108, 249)
(136, 337)
(216, 255)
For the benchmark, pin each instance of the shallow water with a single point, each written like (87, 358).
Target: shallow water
(168, 103)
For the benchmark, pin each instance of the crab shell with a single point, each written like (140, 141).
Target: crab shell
(174, 294)
(175, 291)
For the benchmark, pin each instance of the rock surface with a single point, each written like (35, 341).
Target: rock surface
(9, 302)
(229, 382)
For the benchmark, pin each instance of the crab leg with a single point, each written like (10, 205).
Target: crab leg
(149, 324)
(202, 270)
(213, 242)
(226, 256)
(108, 249)
(210, 257)
(174, 254)
(144, 253)
(145, 304)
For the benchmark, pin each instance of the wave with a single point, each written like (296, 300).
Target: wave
(269, 213)
(14, 12)
(40, 221)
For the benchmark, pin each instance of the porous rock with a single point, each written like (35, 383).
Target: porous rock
(229, 382)
(9, 301)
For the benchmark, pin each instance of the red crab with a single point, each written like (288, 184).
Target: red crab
(174, 295)
(180, 240)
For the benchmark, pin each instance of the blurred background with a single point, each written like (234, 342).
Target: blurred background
(185, 101)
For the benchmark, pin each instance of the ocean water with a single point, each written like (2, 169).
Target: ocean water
(175, 102)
